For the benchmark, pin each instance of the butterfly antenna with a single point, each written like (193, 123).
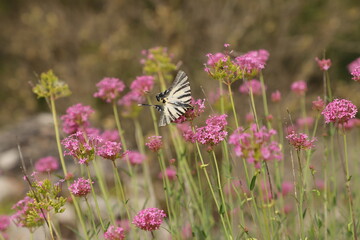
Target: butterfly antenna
(202, 89)
(143, 104)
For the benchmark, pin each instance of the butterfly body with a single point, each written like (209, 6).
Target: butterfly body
(176, 99)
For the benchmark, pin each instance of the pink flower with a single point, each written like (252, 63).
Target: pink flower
(154, 143)
(110, 135)
(320, 184)
(135, 158)
(299, 87)
(170, 172)
(191, 114)
(286, 188)
(76, 118)
(305, 122)
(186, 231)
(214, 132)
(254, 85)
(352, 123)
(356, 74)
(129, 99)
(353, 65)
(46, 164)
(110, 150)
(4, 222)
(125, 224)
(149, 219)
(142, 84)
(81, 187)
(318, 104)
(80, 148)
(214, 58)
(187, 132)
(256, 146)
(324, 64)
(109, 89)
(114, 233)
(249, 117)
(253, 61)
(276, 96)
(339, 111)
(300, 141)
(23, 208)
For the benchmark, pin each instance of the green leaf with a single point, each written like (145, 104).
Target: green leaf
(252, 183)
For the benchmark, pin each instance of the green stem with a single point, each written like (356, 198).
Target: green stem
(90, 209)
(301, 190)
(121, 189)
(233, 105)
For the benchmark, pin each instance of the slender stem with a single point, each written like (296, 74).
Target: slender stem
(50, 226)
(153, 116)
(90, 209)
(122, 191)
(233, 105)
(328, 86)
(63, 165)
(301, 190)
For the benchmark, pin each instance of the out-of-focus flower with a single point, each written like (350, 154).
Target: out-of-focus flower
(149, 219)
(214, 132)
(186, 231)
(356, 74)
(324, 64)
(254, 85)
(23, 209)
(249, 117)
(353, 65)
(351, 123)
(255, 146)
(142, 85)
(320, 184)
(339, 111)
(109, 89)
(170, 172)
(154, 143)
(125, 224)
(110, 135)
(300, 141)
(305, 122)
(47, 164)
(50, 86)
(299, 87)
(4, 222)
(286, 188)
(76, 118)
(81, 187)
(318, 104)
(135, 157)
(187, 132)
(114, 233)
(276, 96)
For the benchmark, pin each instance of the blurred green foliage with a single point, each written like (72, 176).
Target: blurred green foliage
(84, 41)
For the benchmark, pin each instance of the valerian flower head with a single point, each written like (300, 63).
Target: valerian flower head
(187, 132)
(154, 143)
(114, 233)
(110, 150)
(324, 64)
(354, 69)
(110, 135)
(256, 145)
(339, 111)
(142, 85)
(300, 141)
(50, 86)
(81, 187)
(47, 164)
(135, 157)
(76, 118)
(254, 85)
(222, 68)
(252, 62)
(109, 89)
(170, 173)
(198, 107)
(149, 219)
(318, 104)
(214, 132)
(276, 96)
(299, 87)
(4, 222)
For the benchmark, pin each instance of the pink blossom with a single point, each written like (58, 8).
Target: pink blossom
(318, 104)
(356, 74)
(300, 141)
(276, 96)
(214, 132)
(135, 158)
(351, 124)
(149, 219)
(142, 84)
(110, 135)
(254, 85)
(353, 65)
(339, 111)
(154, 143)
(324, 64)
(320, 184)
(81, 187)
(249, 117)
(299, 87)
(215, 95)
(253, 60)
(4, 222)
(288, 208)
(305, 122)
(214, 58)
(186, 231)
(226, 45)
(256, 146)
(125, 224)
(47, 164)
(170, 172)
(23, 208)
(76, 118)
(187, 132)
(114, 233)
(129, 99)
(110, 150)
(192, 113)
(109, 89)
(286, 188)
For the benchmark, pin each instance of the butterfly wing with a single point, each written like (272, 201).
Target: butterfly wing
(171, 112)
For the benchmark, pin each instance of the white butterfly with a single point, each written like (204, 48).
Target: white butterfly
(176, 99)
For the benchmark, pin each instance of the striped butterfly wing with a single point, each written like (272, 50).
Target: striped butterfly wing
(178, 99)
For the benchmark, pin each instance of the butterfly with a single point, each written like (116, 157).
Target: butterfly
(176, 100)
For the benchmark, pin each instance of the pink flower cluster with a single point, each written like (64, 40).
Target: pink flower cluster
(187, 132)
(352, 123)
(354, 69)
(170, 172)
(253, 60)
(81, 187)
(135, 158)
(22, 208)
(110, 135)
(214, 58)
(149, 219)
(109, 89)
(299, 87)
(82, 149)
(110, 150)
(286, 188)
(154, 143)
(339, 111)
(300, 141)
(305, 122)
(46, 164)
(318, 104)
(191, 114)
(76, 118)
(4, 222)
(254, 85)
(276, 96)
(139, 87)
(256, 146)
(324, 64)
(214, 132)
(114, 233)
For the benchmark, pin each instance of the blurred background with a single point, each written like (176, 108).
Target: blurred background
(86, 40)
